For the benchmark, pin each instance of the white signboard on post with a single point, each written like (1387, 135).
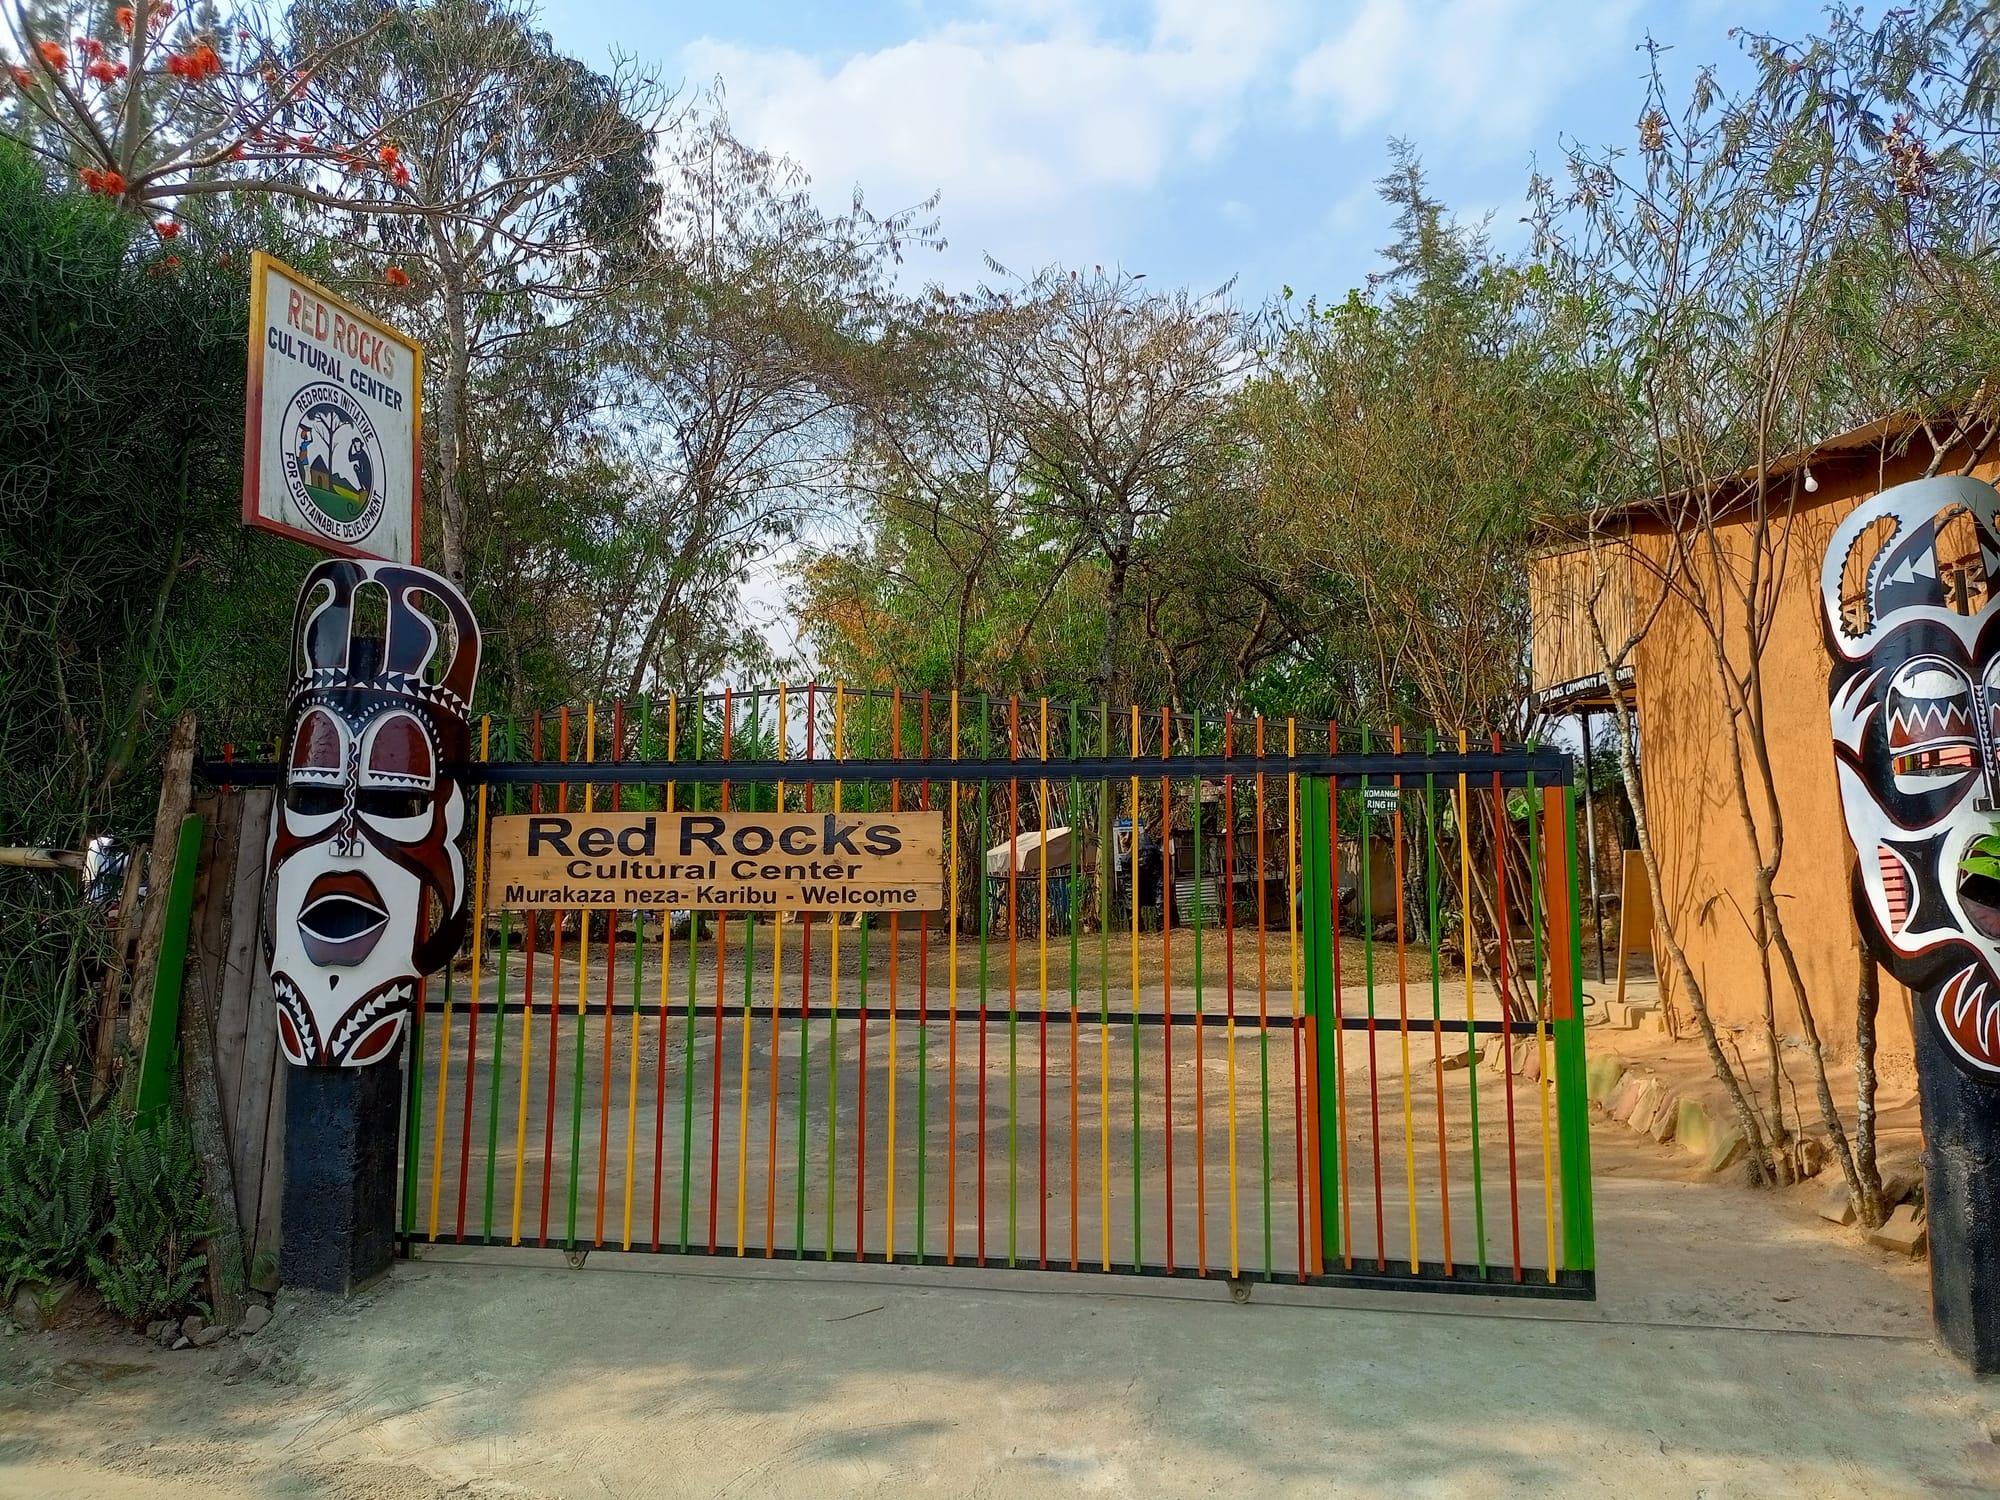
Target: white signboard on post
(332, 420)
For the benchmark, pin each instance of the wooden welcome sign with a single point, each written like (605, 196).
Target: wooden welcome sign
(719, 861)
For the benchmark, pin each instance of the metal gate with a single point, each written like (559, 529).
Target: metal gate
(1207, 1002)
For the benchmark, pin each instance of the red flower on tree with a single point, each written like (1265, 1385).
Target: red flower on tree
(193, 67)
(402, 175)
(387, 156)
(92, 47)
(396, 276)
(124, 14)
(166, 228)
(53, 54)
(103, 72)
(22, 76)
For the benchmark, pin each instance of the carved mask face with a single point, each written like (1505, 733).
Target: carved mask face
(1916, 729)
(365, 884)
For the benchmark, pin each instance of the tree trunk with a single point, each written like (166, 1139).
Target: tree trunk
(1116, 575)
(448, 410)
(1868, 1002)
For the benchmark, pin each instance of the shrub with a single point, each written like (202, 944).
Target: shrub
(52, 1175)
(158, 1213)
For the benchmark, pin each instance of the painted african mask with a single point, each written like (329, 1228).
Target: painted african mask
(364, 889)
(1915, 693)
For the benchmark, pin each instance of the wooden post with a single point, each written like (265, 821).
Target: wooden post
(41, 859)
(1635, 917)
(101, 1069)
(1590, 847)
(200, 1097)
(175, 787)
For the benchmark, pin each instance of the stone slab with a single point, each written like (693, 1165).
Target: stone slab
(1904, 1233)
(1837, 1207)
(1600, 1077)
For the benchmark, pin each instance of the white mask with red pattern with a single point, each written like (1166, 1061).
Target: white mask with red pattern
(364, 880)
(1915, 697)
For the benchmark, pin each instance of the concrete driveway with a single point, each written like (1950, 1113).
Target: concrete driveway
(1741, 1348)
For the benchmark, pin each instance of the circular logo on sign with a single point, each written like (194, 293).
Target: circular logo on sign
(333, 469)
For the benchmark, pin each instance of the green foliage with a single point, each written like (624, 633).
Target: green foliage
(1406, 440)
(157, 1215)
(128, 589)
(118, 1198)
(1982, 857)
(51, 1175)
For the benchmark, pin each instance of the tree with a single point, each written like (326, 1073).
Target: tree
(745, 332)
(1116, 395)
(925, 587)
(526, 191)
(128, 588)
(1023, 460)
(152, 106)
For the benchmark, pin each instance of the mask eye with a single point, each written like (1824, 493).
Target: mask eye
(1932, 742)
(309, 800)
(313, 782)
(390, 802)
(398, 775)
(398, 753)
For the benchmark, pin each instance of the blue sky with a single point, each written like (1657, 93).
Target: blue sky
(1193, 141)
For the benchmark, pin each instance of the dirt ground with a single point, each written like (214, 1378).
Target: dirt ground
(1740, 1347)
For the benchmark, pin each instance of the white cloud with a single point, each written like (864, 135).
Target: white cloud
(1038, 125)
(1074, 130)
(1483, 72)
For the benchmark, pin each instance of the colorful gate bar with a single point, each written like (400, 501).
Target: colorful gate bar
(1205, 1000)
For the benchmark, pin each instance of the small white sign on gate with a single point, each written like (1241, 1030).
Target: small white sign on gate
(332, 420)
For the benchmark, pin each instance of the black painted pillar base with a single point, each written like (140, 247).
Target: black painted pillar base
(1961, 1200)
(341, 1126)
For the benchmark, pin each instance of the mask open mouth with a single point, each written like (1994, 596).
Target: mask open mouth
(1979, 885)
(1969, 1012)
(343, 918)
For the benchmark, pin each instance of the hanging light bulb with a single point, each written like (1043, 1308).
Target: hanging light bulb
(1812, 484)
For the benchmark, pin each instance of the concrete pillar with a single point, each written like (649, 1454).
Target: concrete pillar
(341, 1127)
(1961, 1200)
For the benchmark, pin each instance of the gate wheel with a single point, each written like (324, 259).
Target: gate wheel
(1239, 1289)
(576, 1258)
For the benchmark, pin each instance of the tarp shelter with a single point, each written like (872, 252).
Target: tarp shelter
(1030, 850)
